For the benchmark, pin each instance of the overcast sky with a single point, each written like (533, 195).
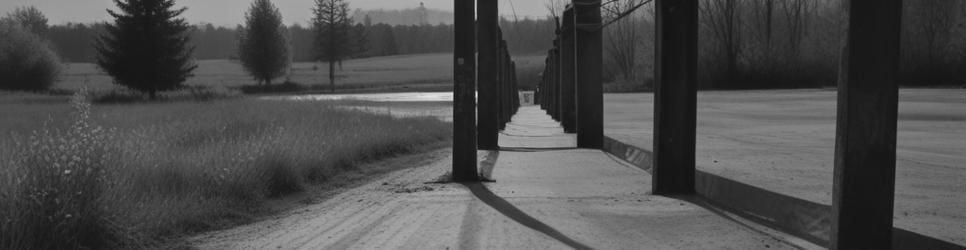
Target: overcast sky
(231, 12)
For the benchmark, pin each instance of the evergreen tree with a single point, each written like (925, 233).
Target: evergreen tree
(360, 35)
(146, 48)
(333, 34)
(263, 44)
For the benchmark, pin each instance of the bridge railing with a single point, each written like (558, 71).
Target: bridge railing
(861, 215)
(573, 73)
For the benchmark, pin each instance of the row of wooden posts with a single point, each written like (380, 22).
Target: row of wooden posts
(499, 97)
(868, 97)
(570, 89)
(571, 92)
(494, 70)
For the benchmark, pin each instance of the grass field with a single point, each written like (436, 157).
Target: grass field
(432, 71)
(110, 176)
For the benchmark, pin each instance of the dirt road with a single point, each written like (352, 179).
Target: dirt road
(546, 195)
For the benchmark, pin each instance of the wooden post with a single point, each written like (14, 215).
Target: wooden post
(865, 142)
(590, 94)
(499, 81)
(514, 89)
(675, 96)
(464, 90)
(488, 13)
(555, 83)
(568, 96)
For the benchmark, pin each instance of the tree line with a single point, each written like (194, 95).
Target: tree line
(73, 41)
(787, 43)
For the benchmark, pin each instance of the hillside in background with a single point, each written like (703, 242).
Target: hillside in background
(416, 16)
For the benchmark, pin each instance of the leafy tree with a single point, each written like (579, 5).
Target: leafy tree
(30, 18)
(333, 38)
(146, 48)
(26, 60)
(263, 45)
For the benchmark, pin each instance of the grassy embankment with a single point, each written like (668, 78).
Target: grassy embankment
(111, 176)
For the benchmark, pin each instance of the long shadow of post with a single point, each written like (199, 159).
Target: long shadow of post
(509, 210)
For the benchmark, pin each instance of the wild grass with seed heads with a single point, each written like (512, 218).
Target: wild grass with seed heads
(129, 176)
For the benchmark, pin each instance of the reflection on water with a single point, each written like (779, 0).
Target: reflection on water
(374, 97)
(405, 104)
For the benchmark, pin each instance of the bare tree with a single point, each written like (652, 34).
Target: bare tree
(928, 34)
(762, 20)
(622, 36)
(723, 19)
(555, 8)
(796, 14)
(333, 40)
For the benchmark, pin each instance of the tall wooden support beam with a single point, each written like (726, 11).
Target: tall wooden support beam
(675, 96)
(502, 80)
(568, 96)
(505, 83)
(555, 81)
(590, 93)
(464, 93)
(865, 144)
(514, 89)
(487, 43)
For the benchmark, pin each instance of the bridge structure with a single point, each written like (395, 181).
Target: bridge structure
(861, 216)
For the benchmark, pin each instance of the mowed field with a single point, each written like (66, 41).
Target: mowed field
(784, 141)
(432, 71)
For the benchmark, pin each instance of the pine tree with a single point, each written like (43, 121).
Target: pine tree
(263, 44)
(333, 34)
(146, 48)
(360, 35)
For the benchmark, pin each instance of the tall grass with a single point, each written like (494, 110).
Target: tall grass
(126, 176)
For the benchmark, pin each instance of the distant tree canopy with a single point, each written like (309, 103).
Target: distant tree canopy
(26, 60)
(263, 46)
(764, 44)
(413, 16)
(73, 41)
(146, 48)
(30, 18)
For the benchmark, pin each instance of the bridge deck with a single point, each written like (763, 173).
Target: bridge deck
(546, 195)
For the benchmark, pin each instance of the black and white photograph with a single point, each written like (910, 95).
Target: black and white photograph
(483, 124)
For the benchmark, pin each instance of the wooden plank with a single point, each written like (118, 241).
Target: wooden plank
(675, 96)
(487, 43)
(590, 92)
(464, 91)
(865, 144)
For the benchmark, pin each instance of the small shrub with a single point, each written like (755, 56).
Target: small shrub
(26, 60)
(195, 94)
(286, 87)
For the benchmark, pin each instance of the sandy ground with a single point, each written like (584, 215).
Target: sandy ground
(546, 195)
(784, 141)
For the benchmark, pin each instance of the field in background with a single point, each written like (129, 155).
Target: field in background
(128, 175)
(406, 71)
